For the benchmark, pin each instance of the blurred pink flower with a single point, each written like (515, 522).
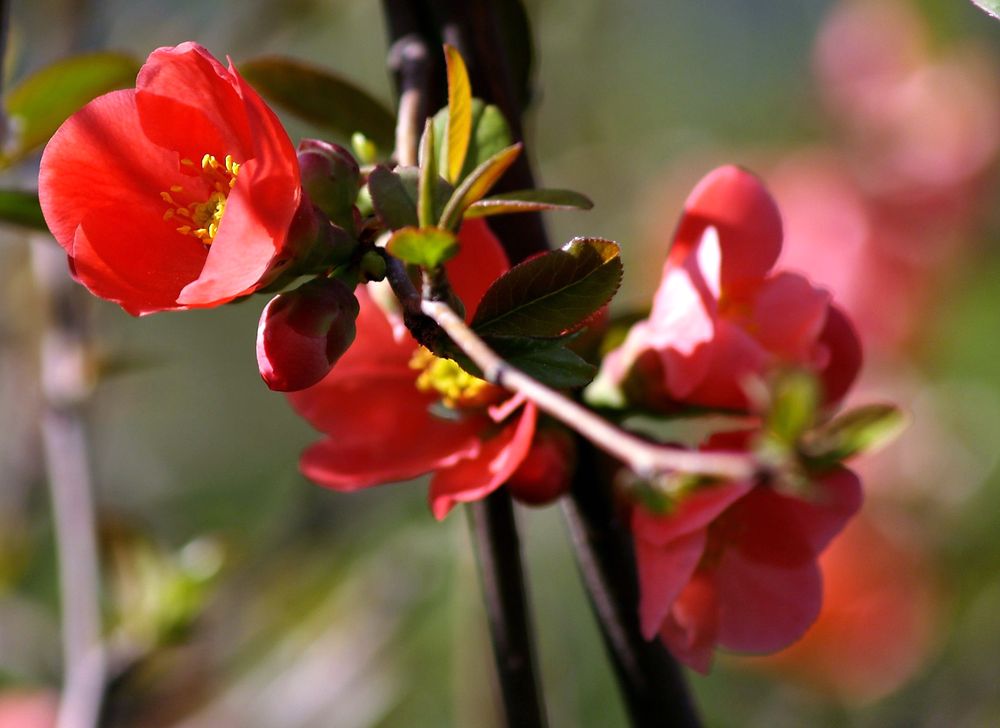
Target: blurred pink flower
(735, 565)
(722, 316)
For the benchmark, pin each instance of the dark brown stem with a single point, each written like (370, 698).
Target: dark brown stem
(498, 551)
(652, 683)
(417, 62)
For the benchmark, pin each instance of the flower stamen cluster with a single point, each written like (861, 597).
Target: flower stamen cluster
(205, 216)
(458, 388)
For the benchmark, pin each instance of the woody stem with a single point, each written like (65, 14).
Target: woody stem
(644, 458)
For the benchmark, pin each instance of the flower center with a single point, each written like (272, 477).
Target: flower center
(202, 218)
(456, 386)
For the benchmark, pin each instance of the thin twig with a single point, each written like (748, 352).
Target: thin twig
(644, 458)
(66, 385)
(498, 554)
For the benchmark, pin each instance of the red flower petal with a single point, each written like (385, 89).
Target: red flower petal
(694, 512)
(472, 479)
(96, 161)
(380, 445)
(691, 629)
(664, 571)
(737, 204)
(788, 315)
(249, 239)
(843, 354)
(763, 608)
(480, 261)
(735, 356)
(189, 103)
(142, 275)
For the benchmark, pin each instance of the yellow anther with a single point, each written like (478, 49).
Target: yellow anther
(455, 385)
(205, 216)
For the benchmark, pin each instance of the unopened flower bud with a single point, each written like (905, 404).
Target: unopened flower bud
(546, 471)
(302, 333)
(331, 178)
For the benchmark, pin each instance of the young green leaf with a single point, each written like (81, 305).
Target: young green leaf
(428, 247)
(428, 177)
(859, 430)
(21, 207)
(990, 6)
(393, 204)
(550, 294)
(529, 201)
(459, 114)
(490, 134)
(477, 184)
(794, 401)
(41, 102)
(322, 98)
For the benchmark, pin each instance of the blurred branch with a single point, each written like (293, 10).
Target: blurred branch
(66, 385)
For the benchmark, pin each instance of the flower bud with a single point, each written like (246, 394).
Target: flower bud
(546, 471)
(331, 178)
(302, 333)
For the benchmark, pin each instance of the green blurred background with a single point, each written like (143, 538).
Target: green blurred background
(268, 601)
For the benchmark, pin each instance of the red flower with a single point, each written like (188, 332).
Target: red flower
(178, 194)
(722, 316)
(394, 411)
(736, 565)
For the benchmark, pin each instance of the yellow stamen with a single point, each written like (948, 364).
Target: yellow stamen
(456, 386)
(205, 215)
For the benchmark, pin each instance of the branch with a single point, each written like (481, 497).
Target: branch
(498, 552)
(65, 387)
(653, 686)
(418, 78)
(644, 458)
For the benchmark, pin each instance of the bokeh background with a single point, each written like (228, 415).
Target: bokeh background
(258, 599)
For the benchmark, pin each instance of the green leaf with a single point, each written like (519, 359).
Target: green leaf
(428, 177)
(490, 134)
(321, 97)
(44, 100)
(529, 201)
(546, 360)
(990, 6)
(477, 184)
(21, 207)
(859, 430)
(393, 203)
(459, 114)
(428, 247)
(794, 401)
(550, 294)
